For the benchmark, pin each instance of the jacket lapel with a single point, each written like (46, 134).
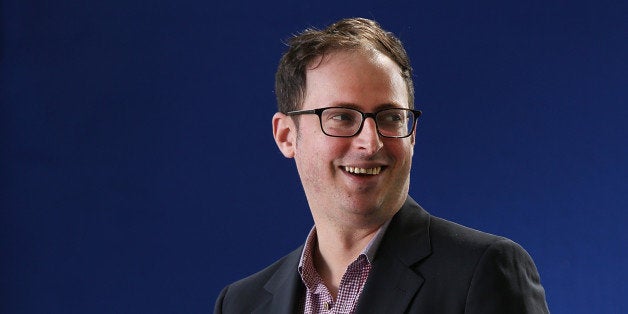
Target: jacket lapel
(285, 287)
(392, 283)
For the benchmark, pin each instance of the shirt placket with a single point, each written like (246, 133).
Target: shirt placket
(350, 285)
(324, 302)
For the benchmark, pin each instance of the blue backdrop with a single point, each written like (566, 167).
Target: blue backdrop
(139, 175)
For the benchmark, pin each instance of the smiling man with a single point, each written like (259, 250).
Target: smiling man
(347, 118)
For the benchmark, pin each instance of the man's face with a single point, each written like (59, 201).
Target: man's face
(368, 81)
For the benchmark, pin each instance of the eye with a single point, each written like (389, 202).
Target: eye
(342, 116)
(391, 116)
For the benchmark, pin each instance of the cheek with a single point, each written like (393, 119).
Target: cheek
(404, 156)
(402, 150)
(319, 147)
(310, 153)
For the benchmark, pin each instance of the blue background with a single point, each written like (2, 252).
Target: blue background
(139, 175)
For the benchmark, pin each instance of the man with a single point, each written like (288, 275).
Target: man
(347, 118)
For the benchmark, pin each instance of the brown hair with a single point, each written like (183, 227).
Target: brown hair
(345, 34)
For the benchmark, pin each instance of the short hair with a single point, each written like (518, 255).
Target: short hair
(345, 34)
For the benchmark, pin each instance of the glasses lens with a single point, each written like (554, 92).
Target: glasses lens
(340, 121)
(395, 122)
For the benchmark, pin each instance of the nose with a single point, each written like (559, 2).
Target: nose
(368, 139)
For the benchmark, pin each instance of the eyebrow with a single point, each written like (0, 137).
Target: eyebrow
(377, 108)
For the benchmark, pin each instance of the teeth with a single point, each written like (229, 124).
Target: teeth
(371, 171)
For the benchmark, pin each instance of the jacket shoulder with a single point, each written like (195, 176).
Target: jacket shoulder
(245, 294)
(452, 241)
(493, 274)
(259, 279)
(445, 232)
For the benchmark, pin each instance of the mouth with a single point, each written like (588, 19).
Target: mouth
(363, 171)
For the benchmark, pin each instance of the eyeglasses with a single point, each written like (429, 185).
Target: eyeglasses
(347, 122)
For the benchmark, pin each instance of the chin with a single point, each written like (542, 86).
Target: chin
(365, 208)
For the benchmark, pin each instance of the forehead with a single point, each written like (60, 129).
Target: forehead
(360, 78)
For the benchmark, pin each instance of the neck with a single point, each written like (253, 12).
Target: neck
(336, 249)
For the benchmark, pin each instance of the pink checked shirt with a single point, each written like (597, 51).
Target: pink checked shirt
(317, 297)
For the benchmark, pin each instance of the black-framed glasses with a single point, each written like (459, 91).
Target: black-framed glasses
(347, 122)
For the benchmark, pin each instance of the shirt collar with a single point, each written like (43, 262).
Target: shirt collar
(369, 250)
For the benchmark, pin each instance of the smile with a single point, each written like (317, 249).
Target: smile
(357, 170)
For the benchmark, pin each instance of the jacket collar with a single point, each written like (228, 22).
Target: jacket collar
(392, 284)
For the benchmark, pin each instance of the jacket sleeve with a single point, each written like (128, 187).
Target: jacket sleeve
(506, 281)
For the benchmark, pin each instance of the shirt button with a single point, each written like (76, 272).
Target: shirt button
(327, 306)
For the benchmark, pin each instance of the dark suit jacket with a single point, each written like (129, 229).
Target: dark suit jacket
(424, 265)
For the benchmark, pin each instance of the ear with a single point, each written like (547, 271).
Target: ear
(284, 132)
